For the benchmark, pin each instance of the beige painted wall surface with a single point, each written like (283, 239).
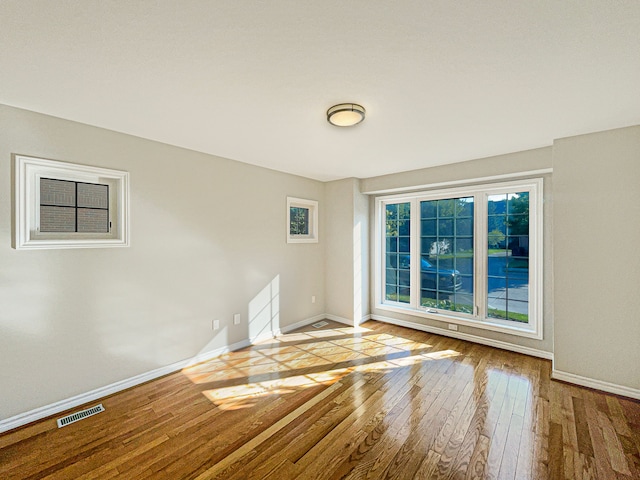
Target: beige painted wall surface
(361, 247)
(597, 263)
(347, 250)
(339, 248)
(512, 163)
(532, 160)
(207, 241)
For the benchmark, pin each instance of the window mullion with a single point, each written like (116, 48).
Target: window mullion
(414, 247)
(480, 256)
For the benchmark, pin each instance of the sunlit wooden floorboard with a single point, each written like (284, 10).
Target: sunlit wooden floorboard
(374, 402)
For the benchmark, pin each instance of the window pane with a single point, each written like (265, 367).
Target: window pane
(446, 264)
(446, 208)
(464, 246)
(404, 244)
(508, 257)
(464, 226)
(428, 298)
(445, 227)
(427, 244)
(463, 302)
(397, 248)
(57, 219)
(93, 195)
(93, 220)
(392, 244)
(428, 209)
(298, 221)
(404, 278)
(429, 227)
(57, 192)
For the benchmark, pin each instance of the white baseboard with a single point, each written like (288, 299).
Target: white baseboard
(338, 319)
(72, 402)
(302, 323)
(534, 352)
(346, 321)
(596, 384)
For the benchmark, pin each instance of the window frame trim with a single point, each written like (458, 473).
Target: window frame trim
(312, 206)
(29, 171)
(534, 328)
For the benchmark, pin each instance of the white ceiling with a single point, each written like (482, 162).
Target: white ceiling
(442, 81)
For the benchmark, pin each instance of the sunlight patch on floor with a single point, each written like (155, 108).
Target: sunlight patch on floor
(245, 396)
(294, 353)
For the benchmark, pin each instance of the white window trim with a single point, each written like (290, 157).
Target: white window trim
(534, 329)
(312, 206)
(28, 171)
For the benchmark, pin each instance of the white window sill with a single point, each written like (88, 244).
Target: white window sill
(483, 325)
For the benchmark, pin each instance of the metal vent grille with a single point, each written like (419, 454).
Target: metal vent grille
(74, 417)
(320, 324)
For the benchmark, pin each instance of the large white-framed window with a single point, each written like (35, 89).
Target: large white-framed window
(467, 255)
(65, 205)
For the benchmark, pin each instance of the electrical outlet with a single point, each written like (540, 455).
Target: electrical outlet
(313, 299)
(236, 319)
(215, 324)
(453, 327)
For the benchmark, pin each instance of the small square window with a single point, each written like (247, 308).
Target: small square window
(63, 205)
(302, 220)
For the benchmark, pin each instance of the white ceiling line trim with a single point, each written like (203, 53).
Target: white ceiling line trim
(468, 181)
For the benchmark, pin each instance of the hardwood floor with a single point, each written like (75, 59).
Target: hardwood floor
(376, 402)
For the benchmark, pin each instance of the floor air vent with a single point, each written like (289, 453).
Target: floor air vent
(320, 324)
(74, 417)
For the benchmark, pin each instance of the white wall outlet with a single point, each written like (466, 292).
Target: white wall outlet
(236, 319)
(313, 299)
(453, 327)
(215, 324)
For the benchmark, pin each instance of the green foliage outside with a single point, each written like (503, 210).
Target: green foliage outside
(394, 297)
(519, 214)
(398, 218)
(447, 305)
(496, 237)
(454, 307)
(522, 263)
(299, 221)
(516, 317)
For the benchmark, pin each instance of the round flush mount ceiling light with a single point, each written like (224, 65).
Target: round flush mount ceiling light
(345, 114)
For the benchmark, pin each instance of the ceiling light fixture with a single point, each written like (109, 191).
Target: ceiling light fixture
(345, 114)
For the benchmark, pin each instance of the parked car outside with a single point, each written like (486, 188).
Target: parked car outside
(443, 279)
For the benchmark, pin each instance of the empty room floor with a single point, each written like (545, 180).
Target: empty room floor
(376, 401)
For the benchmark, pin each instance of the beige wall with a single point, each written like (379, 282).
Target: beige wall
(597, 262)
(362, 256)
(468, 172)
(339, 286)
(347, 250)
(512, 163)
(207, 241)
